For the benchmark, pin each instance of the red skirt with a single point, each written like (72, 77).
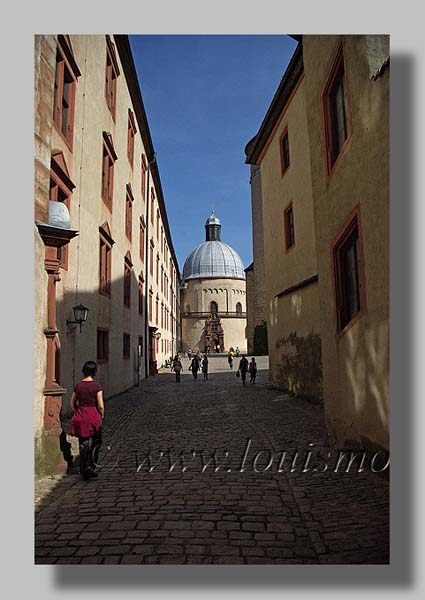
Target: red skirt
(85, 421)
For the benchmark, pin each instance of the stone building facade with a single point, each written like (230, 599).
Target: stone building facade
(213, 295)
(323, 151)
(94, 155)
(256, 329)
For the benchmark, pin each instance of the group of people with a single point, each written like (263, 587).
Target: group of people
(198, 363)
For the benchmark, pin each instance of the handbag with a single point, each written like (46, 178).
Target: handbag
(237, 373)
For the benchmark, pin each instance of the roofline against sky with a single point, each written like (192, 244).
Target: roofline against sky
(126, 56)
(282, 95)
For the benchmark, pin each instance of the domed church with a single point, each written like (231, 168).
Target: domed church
(213, 295)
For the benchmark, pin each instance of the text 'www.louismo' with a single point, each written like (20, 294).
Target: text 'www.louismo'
(260, 461)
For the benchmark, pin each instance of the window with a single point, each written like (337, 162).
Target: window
(66, 76)
(126, 346)
(152, 206)
(157, 269)
(129, 212)
(105, 255)
(108, 159)
(141, 295)
(144, 169)
(150, 304)
(112, 73)
(157, 224)
(142, 239)
(213, 308)
(187, 308)
(151, 257)
(162, 280)
(127, 279)
(140, 345)
(60, 191)
(102, 345)
(157, 311)
(238, 308)
(284, 152)
(131, 132)
(335, 109)
(348, 274)
(289, 227)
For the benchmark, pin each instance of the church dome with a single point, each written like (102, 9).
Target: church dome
(213, 258)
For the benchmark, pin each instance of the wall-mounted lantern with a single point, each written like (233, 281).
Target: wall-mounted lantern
(80, 317)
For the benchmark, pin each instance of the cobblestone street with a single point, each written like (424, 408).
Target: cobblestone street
(246, 507)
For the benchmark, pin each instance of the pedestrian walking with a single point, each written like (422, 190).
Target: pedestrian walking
(194, 367)
(205, 367)
(189, 353)
(230, 358)
(243, 368)
(86, 423)
(237, 351)
(177, 366)
(253, 369)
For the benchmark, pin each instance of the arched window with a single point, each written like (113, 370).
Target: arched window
(187, 309)
(213, 308)
(238, 308)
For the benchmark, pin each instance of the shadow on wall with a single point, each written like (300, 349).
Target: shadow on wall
(299, 370)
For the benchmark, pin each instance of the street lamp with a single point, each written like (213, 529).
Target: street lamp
(158, 335)
(80, 316)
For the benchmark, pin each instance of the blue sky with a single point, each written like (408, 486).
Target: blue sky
(205, 97)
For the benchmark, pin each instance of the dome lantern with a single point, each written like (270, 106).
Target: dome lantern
(213, 228)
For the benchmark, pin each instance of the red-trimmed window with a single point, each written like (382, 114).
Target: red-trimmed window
(157, 269)
(336, 111)
(156, 310)
(102, 345)
(349, 274)
(128, 212)
(141, 295)
(127, 280)
(151, 257)
(152, 206)
(144, 170)
(112, 72)
(61, 188)
(126, 346)
(131, 132)
(157, 224)
(142, 239)
(105, 255)
(150, 304)
(289, 227)
(66, 76)
(108, 159)
(285, 160)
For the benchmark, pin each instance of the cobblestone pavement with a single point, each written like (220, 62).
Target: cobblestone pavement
(237, 512)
